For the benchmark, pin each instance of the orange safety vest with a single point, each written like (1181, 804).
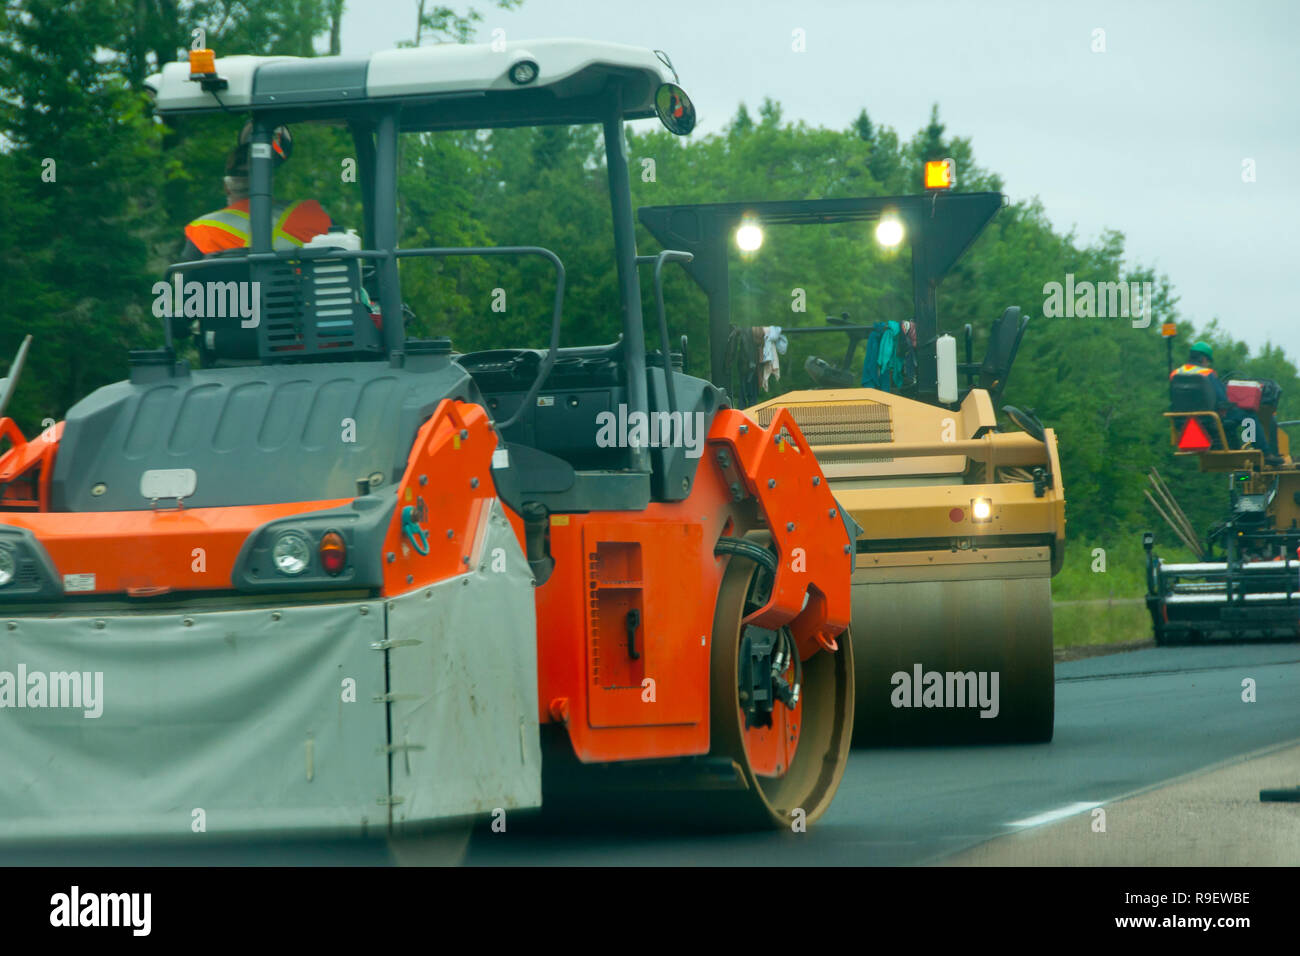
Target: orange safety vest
(228, 228)
(1190, 369)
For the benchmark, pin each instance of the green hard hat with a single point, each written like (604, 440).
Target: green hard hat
(1204, 349)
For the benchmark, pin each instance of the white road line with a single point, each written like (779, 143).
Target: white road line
(1051, 816)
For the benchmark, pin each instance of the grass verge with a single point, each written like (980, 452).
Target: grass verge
(1097, 597)
(1099, 622)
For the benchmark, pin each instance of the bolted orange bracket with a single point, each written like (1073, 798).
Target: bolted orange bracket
(25, 456)
(811, 585)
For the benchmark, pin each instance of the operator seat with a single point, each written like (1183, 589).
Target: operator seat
(1004, 343)
(1189, 392)
(1193, 392)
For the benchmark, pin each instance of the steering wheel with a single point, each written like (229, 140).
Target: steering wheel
(1026, 422)
(519, 364)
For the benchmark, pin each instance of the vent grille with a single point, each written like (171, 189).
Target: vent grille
(840, 423)
(593, 614)
(283, 310)
(312, 305)
(334, 302)
(28, 577)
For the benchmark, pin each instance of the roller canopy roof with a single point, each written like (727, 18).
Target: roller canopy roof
(444, 86)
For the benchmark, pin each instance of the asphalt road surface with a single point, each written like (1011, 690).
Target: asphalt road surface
(1124, 723)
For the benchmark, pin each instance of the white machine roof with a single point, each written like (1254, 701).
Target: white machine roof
(567, 67)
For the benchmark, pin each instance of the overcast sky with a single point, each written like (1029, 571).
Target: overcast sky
(1148, 137)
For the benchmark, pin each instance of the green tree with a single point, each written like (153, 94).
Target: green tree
(79, 252)
(80, 151)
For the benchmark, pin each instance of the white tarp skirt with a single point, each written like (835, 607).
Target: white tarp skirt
(463, 673)
(237, 714)
(276, 720)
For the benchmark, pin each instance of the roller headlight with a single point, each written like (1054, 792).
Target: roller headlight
(291, 553)
(8, 566)
(981, 509)
(524, 72)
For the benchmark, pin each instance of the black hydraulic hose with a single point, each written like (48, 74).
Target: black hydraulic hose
(746, 549)
(761, 555)
(798, 666)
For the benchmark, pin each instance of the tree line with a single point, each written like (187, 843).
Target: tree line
(96, 193)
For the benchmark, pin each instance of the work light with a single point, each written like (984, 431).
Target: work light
(940, 174)
(889, 232)
(749, 237)
(524, 72)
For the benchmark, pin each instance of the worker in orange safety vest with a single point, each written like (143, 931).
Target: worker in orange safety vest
(293, 224)
(1200, 361)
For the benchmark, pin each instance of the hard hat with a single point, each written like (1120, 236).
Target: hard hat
(1204, 349)
(281, 149)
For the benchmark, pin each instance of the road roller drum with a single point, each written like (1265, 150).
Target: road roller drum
(956, 653)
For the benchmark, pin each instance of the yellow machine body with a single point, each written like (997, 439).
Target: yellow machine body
(943, 603)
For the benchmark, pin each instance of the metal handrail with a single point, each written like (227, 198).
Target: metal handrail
(668, 255)
(336, 252)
